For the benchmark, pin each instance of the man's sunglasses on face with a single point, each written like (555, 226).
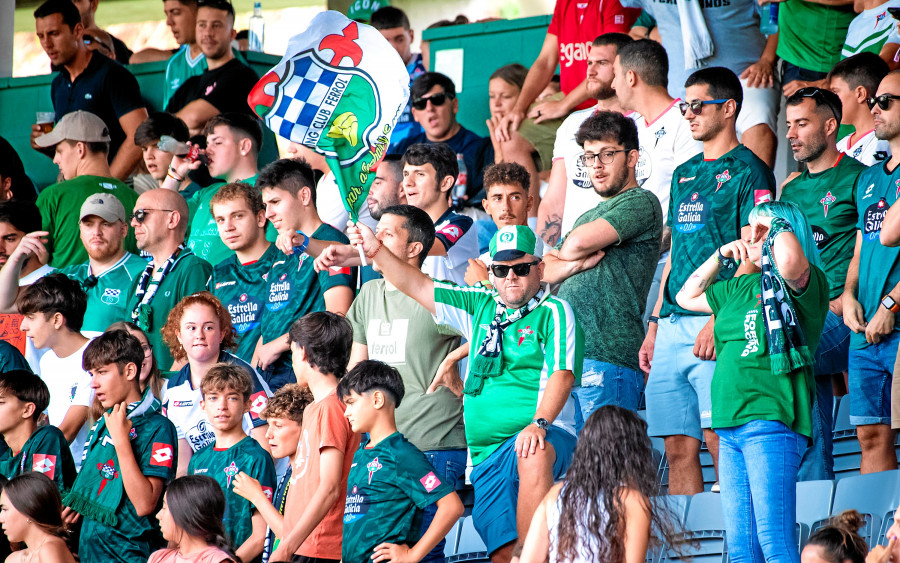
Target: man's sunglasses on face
(520, 270)
(436, 100)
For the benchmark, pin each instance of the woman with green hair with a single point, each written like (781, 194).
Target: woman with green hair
(766, 333)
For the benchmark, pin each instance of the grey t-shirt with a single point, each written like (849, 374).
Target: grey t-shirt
(733, 26)
(610, 297)
(400, 332)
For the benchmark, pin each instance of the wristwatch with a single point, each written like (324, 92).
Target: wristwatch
(890, 304)
(541, 423)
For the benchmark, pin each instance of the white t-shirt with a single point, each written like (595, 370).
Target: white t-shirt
(580, 194)
(866, 148)
(33, 355)
(869, 27)
(452, 266)
(665, 144)
(69, 386)
(330, 206)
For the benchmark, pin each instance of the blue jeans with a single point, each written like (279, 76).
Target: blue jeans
(758, 464)
(450, 466)
(602, 384)
(791, 72)
(831, 358)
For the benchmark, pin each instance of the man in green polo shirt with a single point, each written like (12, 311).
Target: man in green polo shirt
(526, 355)
(109, 271)
(81, 143)
(826, 192)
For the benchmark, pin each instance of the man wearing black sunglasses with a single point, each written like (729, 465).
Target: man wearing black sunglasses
(855, 80)
(871, 298)
(826, 192)
(527, 350)
(434, 107)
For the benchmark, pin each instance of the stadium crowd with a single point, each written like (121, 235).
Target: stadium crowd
(199, 366)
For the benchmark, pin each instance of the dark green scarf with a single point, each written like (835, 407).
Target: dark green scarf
(787, 347)
(98, 490)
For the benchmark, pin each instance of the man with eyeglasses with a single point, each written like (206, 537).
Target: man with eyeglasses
(624, 229)
(434, 107)
(526, 355)
(110, 270)
(710, 201)
(871, 297)
(80, 142)
(826, 192)
(224, 86)
(174, 272)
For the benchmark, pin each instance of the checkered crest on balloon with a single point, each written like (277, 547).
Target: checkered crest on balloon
(339, 89)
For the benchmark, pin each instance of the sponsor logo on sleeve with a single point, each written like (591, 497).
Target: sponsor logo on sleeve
(43, 463)
(258, 402)
(162, 455)
(430, 481)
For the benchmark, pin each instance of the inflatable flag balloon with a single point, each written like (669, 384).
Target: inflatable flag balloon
(339, 89)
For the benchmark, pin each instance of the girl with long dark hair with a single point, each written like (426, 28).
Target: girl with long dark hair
(30, 512)
(602, 511)
(191, 519)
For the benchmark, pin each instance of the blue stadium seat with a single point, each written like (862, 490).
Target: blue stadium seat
(704, 532)
(886, 522)
(873, 495)
(707, 467)
(452, 539)
(469, 547)
(846, 448)
(814, 500)
(677, 506)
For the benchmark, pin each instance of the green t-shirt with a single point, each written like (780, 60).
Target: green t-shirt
(188, 276)
(222, 465)
(293, 290)
(242, 290)
(710, 202)
(388, 488)
(135, 537)
(613, 295)
(829, 201)
(546, 340)
(107, 297)
(879, 268)
(400, 332)
(179, 68)
(743, 386)
(818, 51)
(60, 206)
(542, 136)
(46, 451)
(11, 358)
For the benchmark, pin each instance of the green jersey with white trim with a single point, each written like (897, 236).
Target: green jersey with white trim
(107, 294)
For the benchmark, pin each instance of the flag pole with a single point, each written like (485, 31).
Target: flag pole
(359, 248)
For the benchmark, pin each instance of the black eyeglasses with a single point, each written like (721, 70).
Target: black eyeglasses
(140, 215)
(883, 101)
(696, 106)
(502, 270)
(90, 281)
(813, 92)
(605, 157)
(435, 99)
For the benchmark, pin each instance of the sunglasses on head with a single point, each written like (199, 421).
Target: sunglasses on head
(696, 106)
(435, 99)
(520, 270)
(140, 215)
(883, 101)
(813, 92)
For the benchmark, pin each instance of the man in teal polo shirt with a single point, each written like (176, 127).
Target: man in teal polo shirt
(110, 270)
(526, 355)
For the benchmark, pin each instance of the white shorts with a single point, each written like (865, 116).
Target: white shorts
(760, 105)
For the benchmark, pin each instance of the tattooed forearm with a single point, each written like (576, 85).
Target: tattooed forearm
(552, 230)
(799, 283)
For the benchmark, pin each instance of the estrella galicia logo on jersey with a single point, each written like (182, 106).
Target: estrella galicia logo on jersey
(820, 236)
(581, 179)
(110, 296)
(355, 506)
(244, 313)
(279, 293)
(692, 213)
(644, 165)
(872, 219)
(200, 435)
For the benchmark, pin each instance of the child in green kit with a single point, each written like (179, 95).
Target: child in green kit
(128, 458)
(284, 414)
(23, 397)
(391, 482)
(226, 390)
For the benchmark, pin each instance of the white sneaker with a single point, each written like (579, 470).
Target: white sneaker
(715, 488)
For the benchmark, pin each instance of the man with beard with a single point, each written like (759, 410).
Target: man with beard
(110, 270)
(624, 228)
(709, 206)
(570, 191)
(386, 191)
(826, 192)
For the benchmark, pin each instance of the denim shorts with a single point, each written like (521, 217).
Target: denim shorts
(834, 346)
(870, 381)
(602, 384)
(678, 390)
(496, 484)
(450, 466)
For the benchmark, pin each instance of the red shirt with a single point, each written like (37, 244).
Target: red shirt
(576, 23)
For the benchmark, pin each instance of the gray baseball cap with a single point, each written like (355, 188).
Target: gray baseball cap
(76, 126)
(106, 206)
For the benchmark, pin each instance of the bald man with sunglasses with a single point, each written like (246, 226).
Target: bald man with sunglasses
(526, 355)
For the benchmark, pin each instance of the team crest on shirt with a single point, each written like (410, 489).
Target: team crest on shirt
(110, 296)
(107, 473)
(827, 201)
(523, 332)
(879, 17)
(373, 466)
(43, 463)
(722, 178)
(230, 472)
(897, 183)
(857, 152)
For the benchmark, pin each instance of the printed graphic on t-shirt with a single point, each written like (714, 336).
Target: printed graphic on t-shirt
(750, 333)
(692, 213)
(279, 292)
(244, 311)
(387, 340)
(356, 506)
(873, 218)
